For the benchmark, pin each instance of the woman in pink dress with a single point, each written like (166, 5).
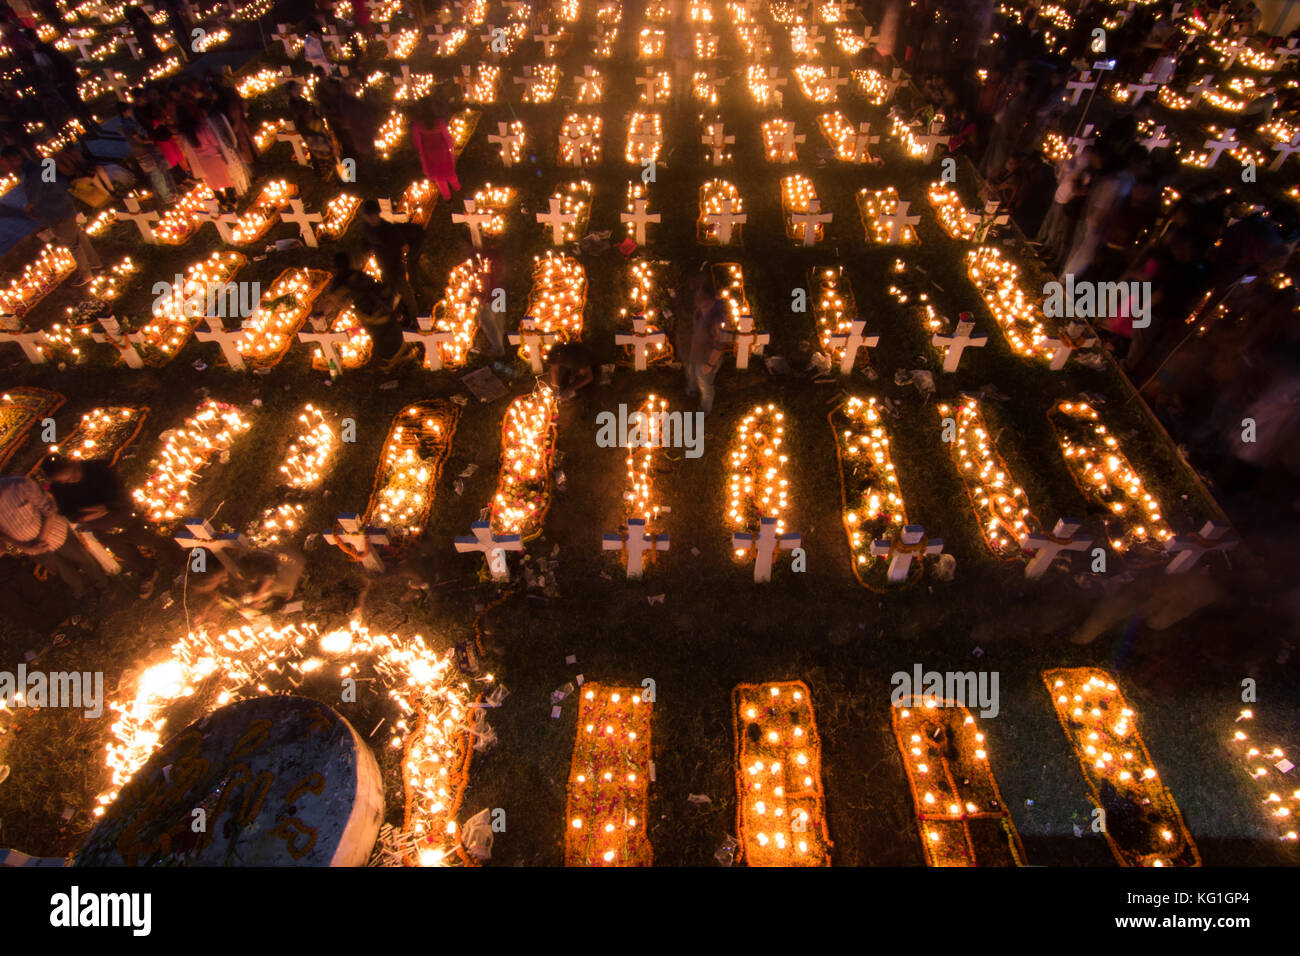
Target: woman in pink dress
(436, 148)
(210, 147)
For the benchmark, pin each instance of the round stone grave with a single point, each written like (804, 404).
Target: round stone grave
(270, 781)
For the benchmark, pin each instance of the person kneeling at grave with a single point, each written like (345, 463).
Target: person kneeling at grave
(261, 582)
(372, 302)
(89, 494)
(573, 372)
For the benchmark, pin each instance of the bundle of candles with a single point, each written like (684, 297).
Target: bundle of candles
(642, 295)
(602, 42)
(481, 88)
(414, 451)
(645, 138)
(164, 69)
(415, 86)
(541, 85)
(646, 459)
(718, 197)
(706, 46)
(779, 141)
(494, 201)
(946, 758)
(39, 278)
(1055, 147)
(1102, 729)
(834, 307)
(1268, 767)
(353, 353)
(729, 281)
(391, 132)
(210, 39)
(877, 207)
(523, 492)
(309, 457)
(1001, 506)
(557, 298)
(20, 409)
(762, 86)
(998, 282)
(609, 779)
(651, 44)
(575, 201)
(591, 87)
(659, 90)
(183, 220)
(462, 127)
(1104, 476)
(799, 196)
(580, 140)
(872, 86)
(1171, 99)
(656, 11)
(842, 136)
(175, 316)
(407, 41)
(873, 503)
(815, 83)
(417, 202)
(458, 310)
(266, 134)
(753, 40)
(800, 44)
(757, 486)
(109, 285)
(905, 133)
(947, 206)
(259, 83)
(102, 433)
(258, 218)
(849, 40)
(270, 330)
(781, 811)
(455, 39)
(205, 435)
(704, 88)
(338, 215)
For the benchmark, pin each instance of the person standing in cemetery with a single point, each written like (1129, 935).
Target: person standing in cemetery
(396, 246)
(436, 148)
(50, 203)
(210, 148)
(372, 302)
(703, 352)
(30, 524)
(142, 28)
(572, 369)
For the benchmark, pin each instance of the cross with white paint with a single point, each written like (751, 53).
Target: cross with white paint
(351, 538)
(870, 38)
(1199, 88)
(852, 342)
(432, 339)
(639, 217)
(303, 220)
(389, 39)
(588, 87)
(198, 533)
(1047, 546)
(1233, 51)
(1078, 144)
(224, 221)
(1140, 90)
(1084, 82)
(746, 340)
(228, 340)
(401, 82)
(726, 219)
(957, 343)
(507, 141)
(810, 219)
(442, 38)
(929, 141)
(1284, 151)
(634, 545)
(1075, 336)
(1218, 147)
(557, 220)
(31, 342)
(1188, 549)
(1284, 53)
(291, 136)
(898, 222)
(718, 143)
(643, 140)
(288, 38)
(112, 334)
(835, 81)
(640, 340)
(333, 38)
(911, 543)
(893, 82)
(81, 43)
(862, 143)
(786, 152)
(120, 85)
(132, 44)
(493, 546)
(534, 339)
(548, 40)
(649, 86)
(1156, 140)
(386, 211)
(326, 341)
(577, 147)
(474, 220)
(765, 547)
(142, 218)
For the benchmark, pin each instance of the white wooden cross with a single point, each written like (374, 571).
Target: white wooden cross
(81, 43)
(229, 341)
(531, 81)
(588, 87)
(718, 143)
(557, 220)
(386, 211)
(1076, 336)
(224, 221)
(911, 543)
(576, 146)
(119, 83)
(1140, 90)
(402, 82)
(642, 140)
(640, 340)
(507, 141)
(851, 342)
(141, 218)
(533, 338)
(1047, 546)
(810, 219)
(443, 38)
(112, 334)
(303, 220)
(1187, 549)
(1078, 144)
(726, 219)
(634, 544)
(1156, 140)
(1199, 88)
(786, 151)
(814, 38)
(326, 341)
(197, 533)
(988, 218)
(746, 340)
(1084, 82)
(765, 546)
(1284, 151)
(493, 546)
(333, 38)
(1233, 51)
(389, 39)
(131, 43)
(103, 557)
(957, 343)
(893, 82)
(929, 141)
(639, 217)
(432, 339)
(474, 220)
(548, 40)
(649, 86)
(835, 81)
(288, 38)
(1218, 147)
(29, 341)
(291, 136)
(898, 222)
(1284, 53)
(351, 537)
(862, 143)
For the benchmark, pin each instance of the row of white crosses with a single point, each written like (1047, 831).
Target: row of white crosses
(1185, 551)
(224, 222)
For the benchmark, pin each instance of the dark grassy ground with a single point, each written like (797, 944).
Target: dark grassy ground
(714, 628)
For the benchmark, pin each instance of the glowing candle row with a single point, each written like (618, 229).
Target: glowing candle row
(523, 492)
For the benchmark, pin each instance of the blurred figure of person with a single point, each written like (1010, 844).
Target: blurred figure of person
(1067, 201)
(261, 583)
(436, 148)
(1112, 181)
(31, 524)
(142, 27)
(372, 302)
(51, 204)
(210, 149)
(396, 246)
(572, 369)
(704, 345)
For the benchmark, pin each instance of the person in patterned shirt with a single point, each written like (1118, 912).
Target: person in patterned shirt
(31, 524)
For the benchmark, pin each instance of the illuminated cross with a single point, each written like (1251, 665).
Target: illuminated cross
(893, 82)
(557, 220)
(1199, 88)
(774, 79)
(910, 543)
(1284, 151)
(1218, 147)
(1084, 82)
(862, 143)
(870, 38)
(765, 547)
(810, 220)
(588, 85)
(836, 81)
(507, 141)
(515, 6)
(474, 220)
(351, 538)
(898, 222)
(639, 217)
(333, 38)
(548, 40)
(112, 334)
(443, 39)
(1233, 51)
(746, 340)
(432, 339)
(121, 87)
(1140, 90)
(851, 342)
(1063, 346)
(81, 43)
(303, 220)
(1284, 53)
(198, 533)
(326, 341)
(141, 218)
(532, 82)
(634, 545)
(1156, 140)
(717, 143)
(386, 211)
(649, 86)
(814, 41)
(224, 221)
(229, 341)
(1047, 546)
(389, 39)
(725, 219)
(493, 546)
(533, 338)
(640, 340)
(958, 342)
(1079, 143)
(288, 38)
(1188, 549)
(31, 342)
(786, 152)
(402, 83)
(576, 146)
(643, 140)
(132, 44)
(929, 141)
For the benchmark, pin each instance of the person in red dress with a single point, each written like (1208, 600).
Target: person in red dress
(436, 148)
